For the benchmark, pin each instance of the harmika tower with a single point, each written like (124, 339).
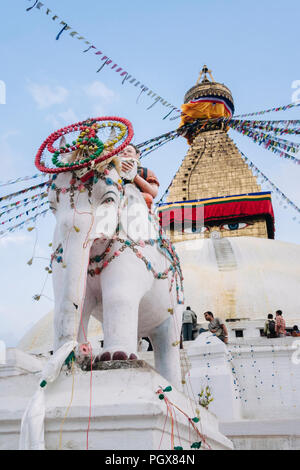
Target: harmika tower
(214, 192)
(218, 217)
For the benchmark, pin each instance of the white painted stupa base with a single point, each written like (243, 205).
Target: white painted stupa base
(126, 412)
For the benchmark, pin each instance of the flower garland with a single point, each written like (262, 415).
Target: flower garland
(87, 141)
(163, 244)
(76, 184)
(88, 144)
(192, 421)
(57, 256)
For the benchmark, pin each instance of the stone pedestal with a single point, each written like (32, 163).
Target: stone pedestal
(126, 412)
(18, 362)
(210, 365)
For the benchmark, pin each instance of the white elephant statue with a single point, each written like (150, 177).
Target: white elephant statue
(111, 260)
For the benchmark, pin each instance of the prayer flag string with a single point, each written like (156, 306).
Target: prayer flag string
(279, 108)
(124, 74)
(23, 191)
(31, 219)
(23, 213)
(22, 178)
(17, 203)
(266, 179)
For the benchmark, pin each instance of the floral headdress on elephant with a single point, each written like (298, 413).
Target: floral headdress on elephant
(91, 148)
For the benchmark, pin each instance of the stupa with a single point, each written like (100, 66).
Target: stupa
(223, 223)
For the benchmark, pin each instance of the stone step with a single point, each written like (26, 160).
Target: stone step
(225, 257)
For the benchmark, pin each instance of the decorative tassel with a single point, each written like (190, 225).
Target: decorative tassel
(103, 65)
(65, 27)
(151, 106)
(170, 112)
(88, 48)
(139, 95)
(30, 8)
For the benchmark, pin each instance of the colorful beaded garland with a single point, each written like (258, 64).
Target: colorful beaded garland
(77, 185)
(87, 142)
(57, 255)
(163, 244)
(165, 247)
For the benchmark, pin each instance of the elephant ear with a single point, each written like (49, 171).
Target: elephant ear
(70, 156)
(134, 216)
(62, 142)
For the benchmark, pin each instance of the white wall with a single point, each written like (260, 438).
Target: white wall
(257, 399)
(268, 377)
(265, 374)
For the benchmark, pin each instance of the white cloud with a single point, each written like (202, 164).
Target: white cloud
(12, 157)
(98, 110)
(97, 89)
(45, 96)
(68, 116)
(288, 180)
(53, 120)
(17, 238)
(100, 95)
(64, 117)
(7, 147)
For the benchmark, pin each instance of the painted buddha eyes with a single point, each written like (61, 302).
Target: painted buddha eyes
(234, 226)
(202, 229)
(195, 229)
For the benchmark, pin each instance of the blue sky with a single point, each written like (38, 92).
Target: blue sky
(252, 47)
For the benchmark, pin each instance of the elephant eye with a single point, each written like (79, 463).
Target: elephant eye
(108, 200)
(234, 226)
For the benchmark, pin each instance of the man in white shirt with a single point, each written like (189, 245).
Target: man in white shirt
(189, 319)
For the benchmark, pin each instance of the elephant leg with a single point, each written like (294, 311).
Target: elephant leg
(88, 306)
(121, 299)
(69, 292)
(166, 352)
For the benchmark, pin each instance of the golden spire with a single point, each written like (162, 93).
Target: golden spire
(204, 72)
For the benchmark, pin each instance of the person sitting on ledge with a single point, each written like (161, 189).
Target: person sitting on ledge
(270, 327)
(142, 177)
(280, 324)
(295, 331)
(217, 327)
